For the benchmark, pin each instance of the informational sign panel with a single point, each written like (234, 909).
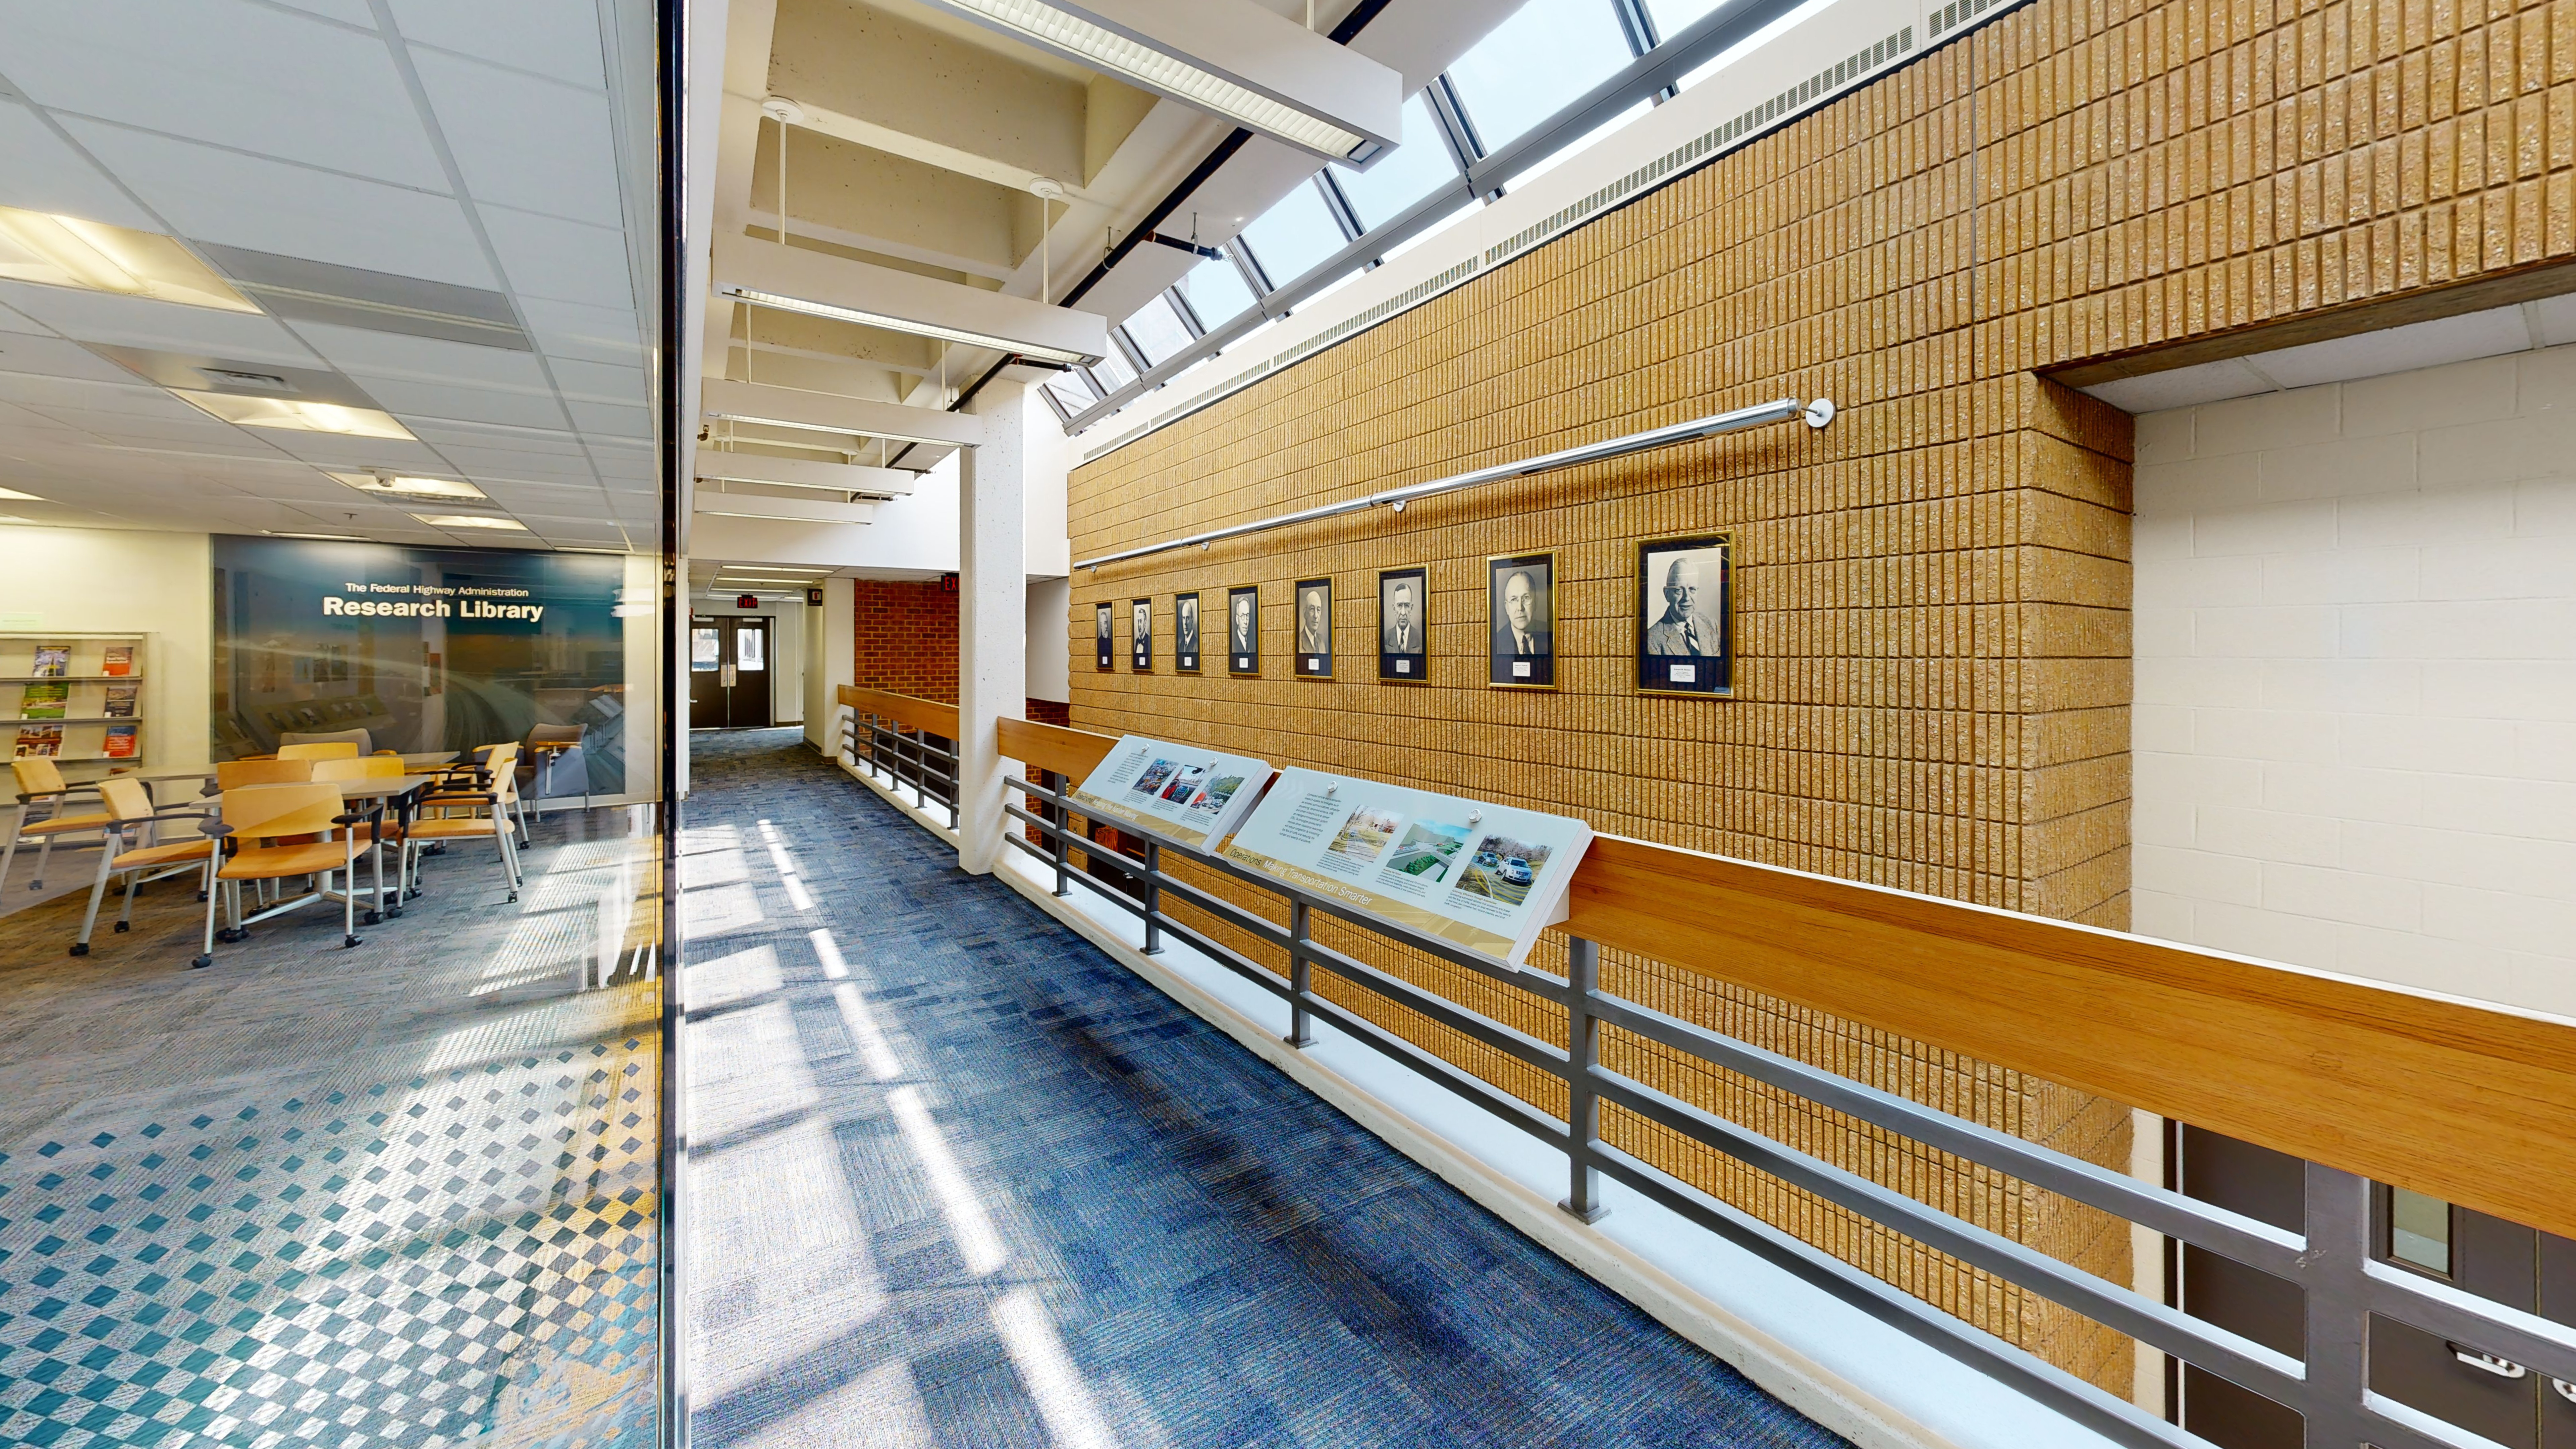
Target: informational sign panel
(1488, 877)
(1187, 793)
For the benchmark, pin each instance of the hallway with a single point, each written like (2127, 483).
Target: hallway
(961, 1180)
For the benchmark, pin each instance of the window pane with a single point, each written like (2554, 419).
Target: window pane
(1672, 15)
(1405, 177)
(703, 650)
(1216, 291)
(750, 649)
(1112, 371)
(1295, 236)
(1070, 390)
(1535, 63)
(1156, 331)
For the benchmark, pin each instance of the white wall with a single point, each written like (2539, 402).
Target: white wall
(831, 660)
(2355, 733)
(100, 580)
(1050, 661)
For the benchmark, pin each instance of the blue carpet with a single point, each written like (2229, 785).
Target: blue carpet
(1211, 1254)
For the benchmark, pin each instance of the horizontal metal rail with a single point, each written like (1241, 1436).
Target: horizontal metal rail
(2332, 1263)
(1759, 415)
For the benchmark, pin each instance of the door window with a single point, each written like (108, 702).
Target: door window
(751, 649)
(705, 653)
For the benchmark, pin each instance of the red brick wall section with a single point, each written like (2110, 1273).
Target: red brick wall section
(904, 638)
(1048, 711)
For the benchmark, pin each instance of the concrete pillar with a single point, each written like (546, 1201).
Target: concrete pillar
(992, 620)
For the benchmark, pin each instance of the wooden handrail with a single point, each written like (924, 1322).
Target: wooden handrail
(2466, 1103)
(927, 715)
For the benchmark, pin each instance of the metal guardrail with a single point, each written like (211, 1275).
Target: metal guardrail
(2331, 1261)
(904, 756)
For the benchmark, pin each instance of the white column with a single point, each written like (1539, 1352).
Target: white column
(992, 587)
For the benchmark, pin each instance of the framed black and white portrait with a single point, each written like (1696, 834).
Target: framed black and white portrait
(1104, 636)
(1520, 605)
(1686, 615)
(1140, 635)
(1314, 641)
(1402, 654)
(1243, 630)
(1185, 632)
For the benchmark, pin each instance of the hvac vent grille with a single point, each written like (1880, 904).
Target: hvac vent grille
(1672, 164)
(313, 291)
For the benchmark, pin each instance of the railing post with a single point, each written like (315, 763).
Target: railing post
(1582, 1103)
(2333, 1273)
(1301, 979)
(1063, 819)
(957, 781)
(1153, 897)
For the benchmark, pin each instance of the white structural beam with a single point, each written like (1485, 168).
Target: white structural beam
(795, 279)
(823, 412)
(1231, 58)
(992, 617)
(715, 467)
(714, 504)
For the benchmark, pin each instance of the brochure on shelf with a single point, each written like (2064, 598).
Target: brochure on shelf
(42, 740)
(117, 662)
(44, 701)
(120, 742)
(52, 661)
(120, 700)
(1187, 793)
(1487, 877)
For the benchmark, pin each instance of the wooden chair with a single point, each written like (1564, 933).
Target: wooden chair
(236, 774)
(320, 750)
(41, 785)
(254, 830)
(487, 806)
(135, 850)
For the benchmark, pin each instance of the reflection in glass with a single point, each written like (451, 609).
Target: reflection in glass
(751, 649)
(1535, 63)
(1112, 372)
(1397, 181)
(1216, 291)
(1156, 331)
(1071, 391)
(703, 654)
(2419, 1231)
(1294, 237)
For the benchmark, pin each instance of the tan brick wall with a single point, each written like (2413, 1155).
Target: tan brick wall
(1933, 626)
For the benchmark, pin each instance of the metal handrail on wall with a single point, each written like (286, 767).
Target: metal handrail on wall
(2332, 1260)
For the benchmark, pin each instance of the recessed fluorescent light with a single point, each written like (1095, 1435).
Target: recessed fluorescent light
(410, 487)
(811, 308)
(1169, 72)
(65, 251)
(316, 537)
(21, 497)
(469, 520)
(13, 518)
(295, 415)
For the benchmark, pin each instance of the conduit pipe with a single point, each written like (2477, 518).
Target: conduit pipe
(1816, 412)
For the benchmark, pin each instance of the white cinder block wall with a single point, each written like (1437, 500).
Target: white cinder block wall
(2355, 731)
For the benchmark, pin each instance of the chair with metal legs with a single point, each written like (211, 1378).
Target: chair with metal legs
(487, 811)
(41, 787)
(235, 774)
(134, 850)
(255, 824)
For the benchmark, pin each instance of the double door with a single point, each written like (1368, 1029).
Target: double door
(729, 673)
(2459, 1382)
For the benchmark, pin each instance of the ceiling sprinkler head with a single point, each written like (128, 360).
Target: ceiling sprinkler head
(783, 111)
(1046, 188)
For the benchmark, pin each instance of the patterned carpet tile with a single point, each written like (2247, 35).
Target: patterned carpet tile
(960, 1179)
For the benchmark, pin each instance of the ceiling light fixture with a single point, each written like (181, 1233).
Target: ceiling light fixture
(315, 537)
(470, 520)
(750, 420)
(402, 485)
(1223, 59)
(296, 415)
(65, 251)
(960, 335)
(12, 493)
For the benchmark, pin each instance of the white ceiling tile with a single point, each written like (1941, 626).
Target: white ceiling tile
(597, 334)
(558, 37)
(229, 72)
(46, 174)
(427, 400)
(54, 357)
(111, 395)
(334, 450)
(538, 145)
(595, 381)
(143, 322)
(356, 350)
(271, 206)
(611, 419)
(564, 261)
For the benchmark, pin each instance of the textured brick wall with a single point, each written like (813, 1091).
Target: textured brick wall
(903, 637)
(1934, 595)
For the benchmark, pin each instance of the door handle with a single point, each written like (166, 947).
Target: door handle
(2565, 1389)
(2487, 1363)
(726, 678)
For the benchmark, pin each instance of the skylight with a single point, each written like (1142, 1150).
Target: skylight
(1549, 53)
(1416, 168)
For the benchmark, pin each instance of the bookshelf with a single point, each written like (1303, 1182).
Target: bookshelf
(76, 697)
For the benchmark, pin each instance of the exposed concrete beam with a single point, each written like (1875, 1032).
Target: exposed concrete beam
(788, 407)
(803, 473)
